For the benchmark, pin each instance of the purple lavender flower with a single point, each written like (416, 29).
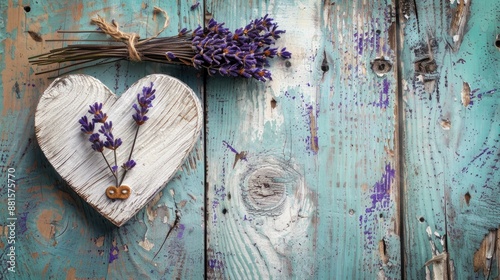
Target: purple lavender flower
(94, 138)
(144, 102)
(106, 128)
(114, 168)
(183, 32)
(170, 56)
(95, 108)
(244, 53)
(112, 143)
(98, 146)
(99, 115)
(129, 164)
(284, 53)
(87, 126)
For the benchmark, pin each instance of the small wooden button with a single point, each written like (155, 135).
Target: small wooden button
(122, 192)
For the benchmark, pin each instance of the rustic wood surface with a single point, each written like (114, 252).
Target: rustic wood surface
(450, 87)
(315, 193)
(373, 153)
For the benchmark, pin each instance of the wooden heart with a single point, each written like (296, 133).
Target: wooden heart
(163, 142)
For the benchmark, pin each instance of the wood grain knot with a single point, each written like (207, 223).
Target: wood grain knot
(122, 192)
(381, 66)
(266, 184)
(425, 65)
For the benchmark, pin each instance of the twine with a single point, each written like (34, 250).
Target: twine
(129, 39)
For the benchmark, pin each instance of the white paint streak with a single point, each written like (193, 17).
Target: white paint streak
(146, 244)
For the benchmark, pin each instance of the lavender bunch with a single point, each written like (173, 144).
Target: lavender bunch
(246, 52)
(104, 137)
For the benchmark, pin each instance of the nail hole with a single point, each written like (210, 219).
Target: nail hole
(381, 215)
(381, 66)
(288, 63)
(27, 9)
(324, 63)
(273, 103)
(421, 219)
(467, 198)
(497, 43)
(378, 31)
(351, 212)
(224, 211)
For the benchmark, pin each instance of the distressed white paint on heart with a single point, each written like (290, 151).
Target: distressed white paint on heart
(163, 143)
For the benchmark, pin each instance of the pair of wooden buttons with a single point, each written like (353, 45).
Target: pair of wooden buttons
(122, 192)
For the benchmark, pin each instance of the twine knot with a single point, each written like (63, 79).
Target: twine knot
(129, 39)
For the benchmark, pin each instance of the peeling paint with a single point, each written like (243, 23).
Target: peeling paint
(465, 94)
(99, 241)
(46, 224)
(459, 22)
(380, 203)
(487, 252)
(382, 250)
(146, 244)
(71, 273)
(237, 155)
(113, 252)
(439, 260)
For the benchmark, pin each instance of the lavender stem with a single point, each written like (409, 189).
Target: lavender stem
(109, 166)
(131, 151)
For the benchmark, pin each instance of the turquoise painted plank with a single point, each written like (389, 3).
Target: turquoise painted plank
(58, 235)
(302, 174)
(452, 133)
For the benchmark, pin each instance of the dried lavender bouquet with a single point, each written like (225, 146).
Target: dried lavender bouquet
(242, 53)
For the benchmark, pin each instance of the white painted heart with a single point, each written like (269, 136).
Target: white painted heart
(163, 143)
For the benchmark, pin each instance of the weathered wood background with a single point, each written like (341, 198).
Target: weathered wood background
(373, 153)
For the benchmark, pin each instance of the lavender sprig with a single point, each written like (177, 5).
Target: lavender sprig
(106, 132)
(98, 145)
(243, 53)
(246, 52)
(141, 108)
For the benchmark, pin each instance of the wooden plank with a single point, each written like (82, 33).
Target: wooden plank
(302, 173)
(451, 142)
(58, 234)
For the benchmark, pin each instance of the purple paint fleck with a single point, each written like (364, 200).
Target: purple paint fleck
(182, 227)
(380, 201)
(215, 263)
(485, 155)
(360, 45)
(381, 189)
(196, 5)
(383, 100)
(113, 253)
(480, 95)
(233, 150)
(22, 222)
